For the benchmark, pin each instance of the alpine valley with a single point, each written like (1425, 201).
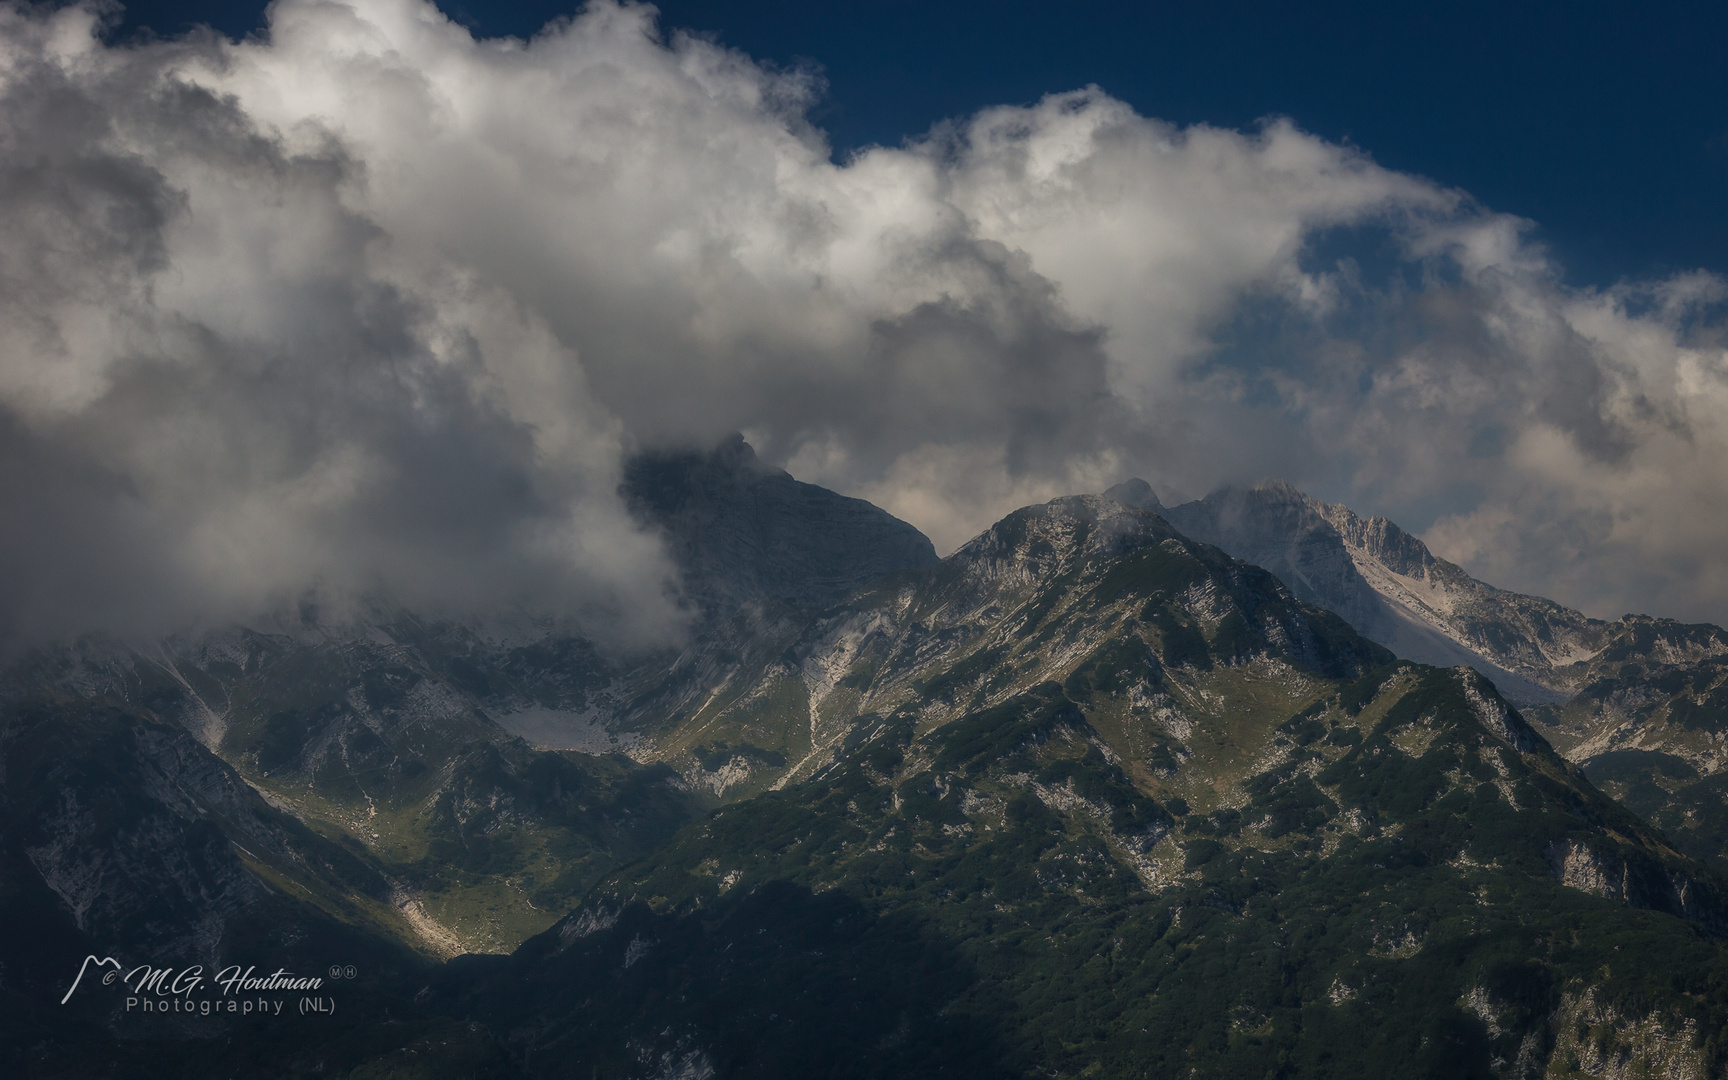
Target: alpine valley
(1248, 787)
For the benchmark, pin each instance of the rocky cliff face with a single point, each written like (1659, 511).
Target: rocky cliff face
(1279, 528)
(759, 553)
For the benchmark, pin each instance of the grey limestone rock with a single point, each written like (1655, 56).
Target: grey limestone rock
(1388, 585)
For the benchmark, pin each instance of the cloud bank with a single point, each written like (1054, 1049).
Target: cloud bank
(367, 305)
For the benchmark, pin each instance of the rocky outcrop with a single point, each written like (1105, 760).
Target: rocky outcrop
(1592, 1038)
(1635, 878)
(1641, 704)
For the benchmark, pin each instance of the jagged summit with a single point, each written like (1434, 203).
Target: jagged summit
(739, 528)
(1388, 585)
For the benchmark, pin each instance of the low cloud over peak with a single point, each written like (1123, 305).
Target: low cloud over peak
(369, 305)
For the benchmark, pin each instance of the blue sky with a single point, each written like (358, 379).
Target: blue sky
(1605, 123)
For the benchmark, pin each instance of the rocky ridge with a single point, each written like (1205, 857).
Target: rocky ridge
(1389, 586)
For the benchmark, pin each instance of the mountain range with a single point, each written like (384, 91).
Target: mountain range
(1248, 786)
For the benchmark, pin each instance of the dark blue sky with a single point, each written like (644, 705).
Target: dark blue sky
(1607, 123)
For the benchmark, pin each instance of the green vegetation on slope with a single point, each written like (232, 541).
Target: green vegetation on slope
(998, 897)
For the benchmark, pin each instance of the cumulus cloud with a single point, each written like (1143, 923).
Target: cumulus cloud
(368, 305)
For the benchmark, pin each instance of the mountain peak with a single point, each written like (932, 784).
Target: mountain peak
(1385, 541)
(1136, 493)
(740, 529)
(1388, 585)
(1280, 488)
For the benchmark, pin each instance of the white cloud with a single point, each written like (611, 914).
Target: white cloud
(371, 304)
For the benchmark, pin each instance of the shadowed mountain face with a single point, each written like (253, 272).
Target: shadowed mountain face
(167, 797)
(759, 553)
(740, 530)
